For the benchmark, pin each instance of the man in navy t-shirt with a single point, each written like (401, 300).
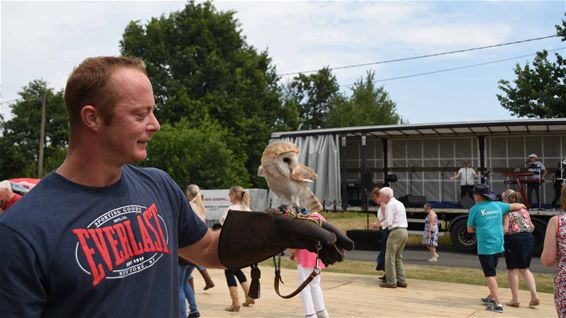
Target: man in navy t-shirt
(100, 238)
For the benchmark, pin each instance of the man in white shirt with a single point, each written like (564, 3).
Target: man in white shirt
(467, 177)
(396, 221)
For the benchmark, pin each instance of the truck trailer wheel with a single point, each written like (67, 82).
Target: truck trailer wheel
(461, 239)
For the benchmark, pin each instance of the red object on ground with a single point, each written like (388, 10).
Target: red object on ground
(30, 180)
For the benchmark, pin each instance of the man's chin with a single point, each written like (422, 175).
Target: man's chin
(139, 156)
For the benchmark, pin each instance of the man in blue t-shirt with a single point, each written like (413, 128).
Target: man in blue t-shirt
(486, 220)
(99, 237)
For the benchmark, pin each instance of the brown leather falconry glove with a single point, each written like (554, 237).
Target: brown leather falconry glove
(251, 237)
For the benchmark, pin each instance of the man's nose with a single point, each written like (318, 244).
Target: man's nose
(154, 123)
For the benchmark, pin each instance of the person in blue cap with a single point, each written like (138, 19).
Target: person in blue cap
(486, 220)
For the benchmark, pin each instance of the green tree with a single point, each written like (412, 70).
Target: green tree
(199, 63)
(312, 96)
(197, 155)
(368, 105)
(538, 91)
(20, 134)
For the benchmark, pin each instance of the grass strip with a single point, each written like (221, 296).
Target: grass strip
(459, 275)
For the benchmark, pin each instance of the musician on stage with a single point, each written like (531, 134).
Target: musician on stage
(467, 177)
(534, 181)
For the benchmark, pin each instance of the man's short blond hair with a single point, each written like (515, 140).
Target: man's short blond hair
(91, 83)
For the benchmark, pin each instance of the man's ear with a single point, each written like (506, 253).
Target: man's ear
(91, 117)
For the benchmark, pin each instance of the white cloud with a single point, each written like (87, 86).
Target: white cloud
(47, 39)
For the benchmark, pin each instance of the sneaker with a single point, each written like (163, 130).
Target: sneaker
(433, 259)
(387, 285)
(383, 278)
(487, 300)
(195, 314)
(402, 284)
(495, 308)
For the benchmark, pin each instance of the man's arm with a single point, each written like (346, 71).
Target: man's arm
(516, 206)
(455, 176)
(388, 217)
(471, 221)
(22, 292)
(204, 252)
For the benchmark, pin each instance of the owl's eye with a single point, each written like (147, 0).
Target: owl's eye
(287, 160)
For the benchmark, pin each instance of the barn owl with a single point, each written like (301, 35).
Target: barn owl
(287, 177)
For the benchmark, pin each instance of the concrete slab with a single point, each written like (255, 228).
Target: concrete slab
(349, 295)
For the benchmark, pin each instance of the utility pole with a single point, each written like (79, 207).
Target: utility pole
(42, 136)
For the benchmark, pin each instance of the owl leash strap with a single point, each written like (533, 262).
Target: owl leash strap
(248, 238)
(277, 279)
(255, 289)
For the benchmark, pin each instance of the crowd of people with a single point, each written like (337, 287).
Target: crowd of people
(97, 220)
(501, 228)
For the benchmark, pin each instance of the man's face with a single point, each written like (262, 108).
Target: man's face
(533, 159)
(466, 164)
(133, 121)
(478, 198)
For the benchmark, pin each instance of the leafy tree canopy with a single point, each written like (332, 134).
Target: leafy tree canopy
(539, 91)
(20, 135)
(368, 105)
(311, 96)
(199, 63)
(197, 155)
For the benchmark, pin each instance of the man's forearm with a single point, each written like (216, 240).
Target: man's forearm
(204, 252)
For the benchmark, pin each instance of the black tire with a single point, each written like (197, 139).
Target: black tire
(461, 239)
(538, 235)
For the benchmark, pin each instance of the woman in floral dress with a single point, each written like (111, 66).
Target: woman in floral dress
(519, 242)
(554, 252)
(430, 234)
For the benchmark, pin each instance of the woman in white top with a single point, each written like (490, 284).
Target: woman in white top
(240, 200)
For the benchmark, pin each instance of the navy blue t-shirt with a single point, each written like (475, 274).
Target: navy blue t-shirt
(68, 250)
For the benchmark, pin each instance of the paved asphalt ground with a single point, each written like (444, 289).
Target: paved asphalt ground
(419, 256)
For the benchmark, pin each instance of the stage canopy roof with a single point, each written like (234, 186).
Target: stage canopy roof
(465, 128)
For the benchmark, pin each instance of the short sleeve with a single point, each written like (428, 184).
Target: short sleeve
(505, 207)
(191, 227)
(22, 292)
(472, 218)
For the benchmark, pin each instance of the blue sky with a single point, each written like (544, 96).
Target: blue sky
(47, 39)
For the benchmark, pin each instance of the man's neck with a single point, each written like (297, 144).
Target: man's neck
(86, 168)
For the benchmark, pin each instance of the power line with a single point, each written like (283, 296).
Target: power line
(424, 56)
(453, 68)
(9, 101)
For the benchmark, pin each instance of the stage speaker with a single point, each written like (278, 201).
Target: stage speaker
(413, 201)
(367, 181)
